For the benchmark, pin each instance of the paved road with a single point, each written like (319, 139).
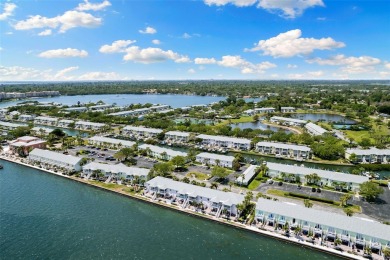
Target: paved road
(380, 209)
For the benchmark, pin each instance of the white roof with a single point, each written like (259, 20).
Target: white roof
(159, 106)
(225, 139)
(287, 107)
(111, 140)
(12, 125)
(280, 118)
(178, 133)
(100, 106)
(225, 158)
(75, 108)
(247, 175)
(372, 150)
(335, 176)
(264, 108)
(46, 118)
(315, 128)
(326, 218)
(89, 123)
(285, 146)
(66, 121)
(25, 115)
(57, 157)
(38, 129)
(117, 168)
(160, 150)
(226, 198)
(142, 129)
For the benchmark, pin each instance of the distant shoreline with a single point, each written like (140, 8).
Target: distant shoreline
(291, 240)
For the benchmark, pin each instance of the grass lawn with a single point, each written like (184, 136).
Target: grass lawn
(358, 135)
(355, 208)
(254, 184)
(243, 119)
(276, 192)
(107, 185)
(198, 175)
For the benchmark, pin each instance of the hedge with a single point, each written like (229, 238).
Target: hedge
(304, 196)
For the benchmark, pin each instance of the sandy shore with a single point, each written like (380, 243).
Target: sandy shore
(292, 240)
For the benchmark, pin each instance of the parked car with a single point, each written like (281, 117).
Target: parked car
(313, 189)
(270, 181)
(280, 183)
(318, 190)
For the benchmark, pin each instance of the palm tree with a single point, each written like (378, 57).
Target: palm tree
(230, 185)
(214, 185)
(164, 156)
(217, 162)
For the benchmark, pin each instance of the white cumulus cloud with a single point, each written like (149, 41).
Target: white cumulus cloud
(245, 66)
(291, 43)
(152, 55)
(86, 6)
(239, 3)
(99, 75)
(155, 41)
(116, 46)
(191, 71)
(291, 66)
(205, 61)
(63, 53)
(148, 30)
(46, 32)
(8, 10)
(66, 21)
(62, 74)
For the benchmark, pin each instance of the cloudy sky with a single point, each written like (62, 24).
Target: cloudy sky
(199, 39)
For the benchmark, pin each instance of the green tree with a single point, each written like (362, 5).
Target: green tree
(348, 211)
(163, 168)
(344, 199)
(219, 172)
(365, 142)
(178, 161)
(370, 190)
(236, 165)
(307, 203)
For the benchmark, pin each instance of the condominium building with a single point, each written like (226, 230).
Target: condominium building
(247, 175)
(314, 129)
(44, 120)
(326, 178)
(159, 108)
(99, 107)
(117, 171)
(84, 125)
(26, 118)
(65, 123)
(10, 126)
(372, 155)
(350, 230)
(140, 132)
(177, 136)
(52, 159)
(284, 150)
(287, 109)
(161, 153)
(215, 159)
(260, 110)
(287, 121)
(214, 202)
(225, 142)
(76, 109)
(135, 112)
(23, 145)
(110, 142)
(41, 130)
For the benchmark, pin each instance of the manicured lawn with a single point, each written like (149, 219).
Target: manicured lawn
(198, 175)
(276, 192)
(243, 119)
(358, 135)
(254, 184)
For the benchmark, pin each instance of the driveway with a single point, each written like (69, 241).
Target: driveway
(380, 209)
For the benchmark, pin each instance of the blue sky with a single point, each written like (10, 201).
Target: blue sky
(200, 39)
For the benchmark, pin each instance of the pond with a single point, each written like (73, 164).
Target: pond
(258, 125)
(324, 117)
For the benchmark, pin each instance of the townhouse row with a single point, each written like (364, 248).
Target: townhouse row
(65, 123)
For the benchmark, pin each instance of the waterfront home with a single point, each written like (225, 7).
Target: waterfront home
(287, 109)
(84, 125)
(215, 159)
(65, 123)
(213, 202)
(23, 145)
(247, 175)
(26, 118)
(251, 112)
(372, 155)
(161, 153)
(44, 120)
(41, 130)
(287, 121)
(100, 107)
(14, 114)
(158, 108)
(110, 142)
(116, 171)
(314, 129)
(337, 180)
(141, 132)
(284, 150)
(177, 137)
(213, 141)
(10, 126)
(76, 109)
(328, 225)
(51, 159)
(135, 112)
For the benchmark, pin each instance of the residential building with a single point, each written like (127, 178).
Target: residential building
(287, 121)
(284, 150)
(331, 226)
(337, 180)
(10, 126)
(76, 109)
(99, 107)
(159, 108)
(52, 159)
(117, 171)
(84, 125)
(110, 142)
(225, 142)
(177, 137)
(372, 155)
(260, 110)
(214, 159)
(161, 153)
(41, 130)
(314, 129)
(214, 202)
(23, 145)
(135, 112)
(140, 132)
(287, 109)
(44, 120)
(26, 118)
(247, 175)
(65, 123)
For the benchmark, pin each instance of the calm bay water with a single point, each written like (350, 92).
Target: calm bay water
(43, 216)
(174, 101)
